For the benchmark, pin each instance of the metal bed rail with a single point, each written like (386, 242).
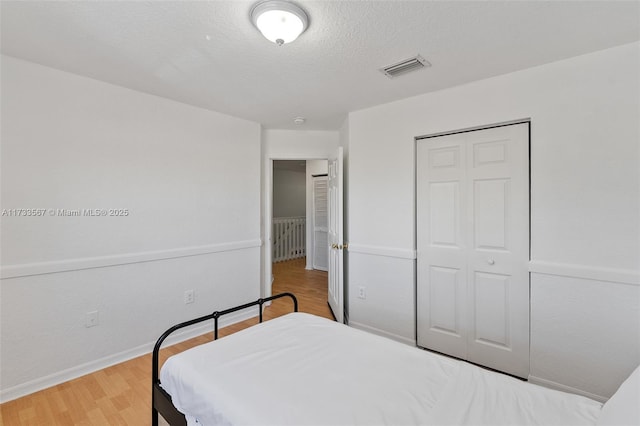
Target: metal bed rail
(161, 400)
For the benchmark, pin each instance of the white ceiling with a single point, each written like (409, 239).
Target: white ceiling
(208, 54)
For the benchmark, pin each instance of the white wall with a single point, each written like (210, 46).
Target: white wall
(190, 181)
(289, 193)
(585, 209)
(298, 144)
(287, 145)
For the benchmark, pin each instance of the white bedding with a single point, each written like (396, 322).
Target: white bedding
(305, 370)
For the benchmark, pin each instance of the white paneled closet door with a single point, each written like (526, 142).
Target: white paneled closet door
(473, 246)
(320, 224)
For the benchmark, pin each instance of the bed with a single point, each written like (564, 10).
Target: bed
(300, 369)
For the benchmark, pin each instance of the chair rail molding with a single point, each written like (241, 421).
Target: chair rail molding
(382, 251)
(66, 265)
(621, 276)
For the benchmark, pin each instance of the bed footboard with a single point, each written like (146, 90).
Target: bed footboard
(161, 400)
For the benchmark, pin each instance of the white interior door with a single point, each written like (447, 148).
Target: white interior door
(336, 243)
(320, 223)
(441, 245)
(473, 246)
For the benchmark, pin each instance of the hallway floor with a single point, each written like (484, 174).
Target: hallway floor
(309, 286)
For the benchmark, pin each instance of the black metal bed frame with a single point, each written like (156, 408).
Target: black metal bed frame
(160, 399)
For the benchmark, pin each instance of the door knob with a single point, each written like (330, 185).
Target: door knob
(491, 261)
(334, 246)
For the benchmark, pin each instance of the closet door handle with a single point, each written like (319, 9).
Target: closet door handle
(491, 261)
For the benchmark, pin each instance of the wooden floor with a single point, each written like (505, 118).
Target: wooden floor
(121, 395)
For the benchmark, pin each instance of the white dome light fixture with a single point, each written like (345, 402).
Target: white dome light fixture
(279, 21)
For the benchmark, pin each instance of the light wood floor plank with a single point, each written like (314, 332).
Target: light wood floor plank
(121, 394)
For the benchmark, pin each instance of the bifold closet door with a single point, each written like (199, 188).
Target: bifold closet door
(472, 206)
(320, 224)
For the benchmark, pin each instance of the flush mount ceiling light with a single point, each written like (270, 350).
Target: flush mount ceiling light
(279, 21)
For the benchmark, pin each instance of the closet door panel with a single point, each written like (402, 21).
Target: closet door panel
(491, 310)
(441, 266)
(498, 255)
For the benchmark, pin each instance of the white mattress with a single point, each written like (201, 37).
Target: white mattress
(305, 370)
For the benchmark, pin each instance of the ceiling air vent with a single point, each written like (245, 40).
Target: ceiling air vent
(405, 66)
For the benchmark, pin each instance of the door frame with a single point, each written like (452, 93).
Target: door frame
(473, 129)
(335, 182)
(267, 257)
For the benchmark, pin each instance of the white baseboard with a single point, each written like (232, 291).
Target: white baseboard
(57, 378)
(557, 386)
(382, 333)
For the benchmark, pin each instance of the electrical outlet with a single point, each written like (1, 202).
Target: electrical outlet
(91, 319)
(189, 297)
(362, 293)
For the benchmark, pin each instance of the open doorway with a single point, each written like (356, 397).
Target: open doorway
(299, 244)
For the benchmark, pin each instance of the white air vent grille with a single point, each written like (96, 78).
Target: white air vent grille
(405, 66)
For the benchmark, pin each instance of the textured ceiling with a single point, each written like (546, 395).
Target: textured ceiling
(208, 54)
